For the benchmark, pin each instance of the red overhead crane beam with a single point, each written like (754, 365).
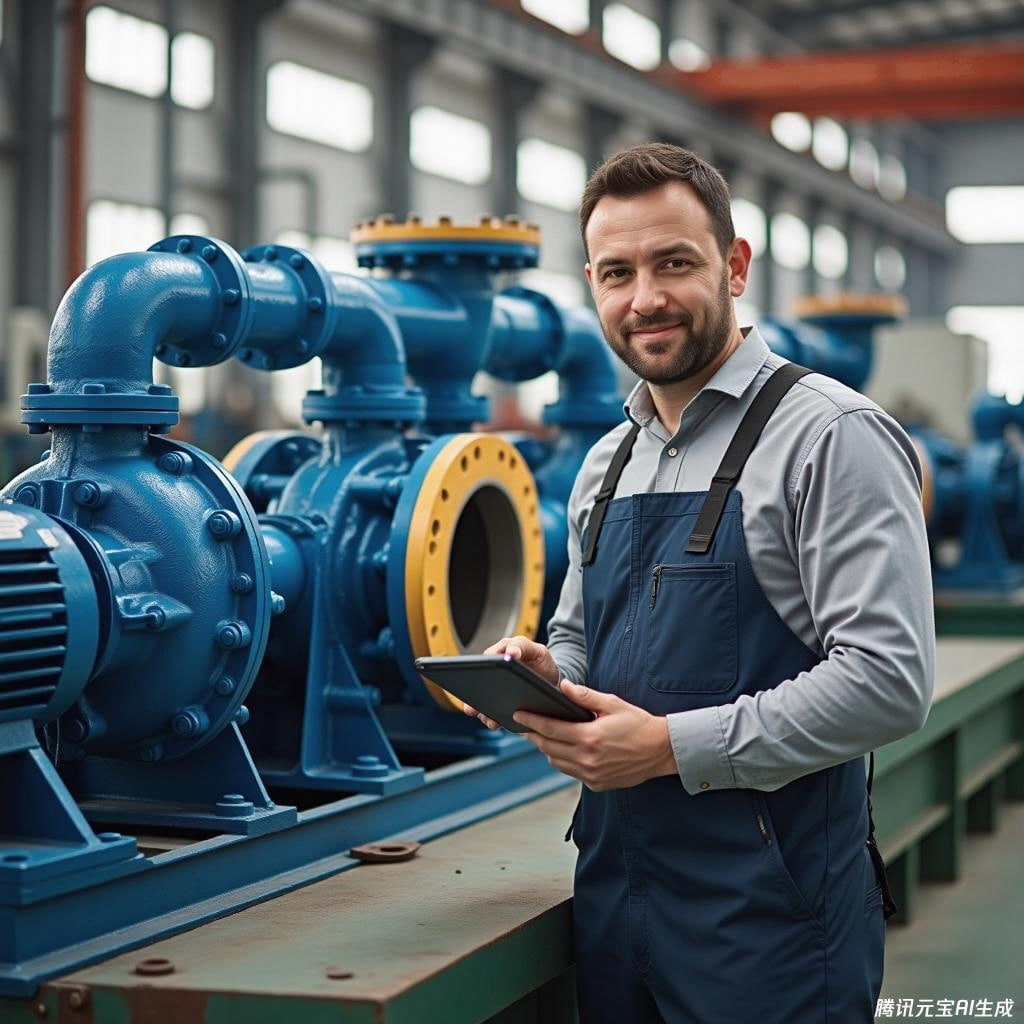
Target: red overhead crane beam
(927, 83)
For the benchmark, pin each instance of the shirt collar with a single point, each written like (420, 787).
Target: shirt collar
(732, 378)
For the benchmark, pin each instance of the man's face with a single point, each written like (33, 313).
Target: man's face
(663, 290)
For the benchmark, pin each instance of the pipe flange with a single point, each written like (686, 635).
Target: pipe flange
(235, 315)
(315, 289)
(497, 244)
(471, 563)
(399, 406)
(94, 408)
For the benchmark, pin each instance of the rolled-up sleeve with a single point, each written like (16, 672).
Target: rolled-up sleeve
(859, 541)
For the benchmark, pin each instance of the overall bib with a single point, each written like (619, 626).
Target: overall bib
(731, 906)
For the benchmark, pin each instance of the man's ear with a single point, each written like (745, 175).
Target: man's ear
(739, 266)
(589, 271)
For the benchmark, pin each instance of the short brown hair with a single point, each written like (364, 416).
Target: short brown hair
(634, 171)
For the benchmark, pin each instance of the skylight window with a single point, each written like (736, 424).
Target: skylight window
(748, 220)
(792, 130)
(831, 145)
(311, 104)
(686, 55)
(892, 177)
(986, 213)
(890, 267)
(632, 37)
(864, 163)
(550, 174)
(831, 253)
(569, 15)
(791, 241)
(450, 145)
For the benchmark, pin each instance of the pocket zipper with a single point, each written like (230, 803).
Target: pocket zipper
(764, 831)
(657, 583)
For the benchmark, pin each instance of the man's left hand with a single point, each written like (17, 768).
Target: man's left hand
(623, 746)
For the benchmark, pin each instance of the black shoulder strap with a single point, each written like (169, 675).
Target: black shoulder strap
(742, 444)
(604, 495)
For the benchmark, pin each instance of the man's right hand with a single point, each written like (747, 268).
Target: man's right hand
(533, 655)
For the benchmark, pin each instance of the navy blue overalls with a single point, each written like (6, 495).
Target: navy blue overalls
(730, 906)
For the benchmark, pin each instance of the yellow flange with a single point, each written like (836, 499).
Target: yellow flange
(476, 516)
(490, 229)
(848, 303)
(242, 448)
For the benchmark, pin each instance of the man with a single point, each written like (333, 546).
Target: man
(747, 625)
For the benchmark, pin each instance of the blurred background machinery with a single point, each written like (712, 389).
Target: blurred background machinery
(206, 692)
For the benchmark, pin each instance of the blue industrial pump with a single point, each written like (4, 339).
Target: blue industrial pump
(415, 542)
(973, 495)
(138, 580)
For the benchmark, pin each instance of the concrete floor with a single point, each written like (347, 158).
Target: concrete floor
(967, 939)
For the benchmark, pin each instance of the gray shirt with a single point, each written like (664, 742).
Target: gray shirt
(836, 538)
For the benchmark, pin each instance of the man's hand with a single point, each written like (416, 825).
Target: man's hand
(623, 746)
(533, 655)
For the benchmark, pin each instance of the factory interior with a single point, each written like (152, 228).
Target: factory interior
(299, 365)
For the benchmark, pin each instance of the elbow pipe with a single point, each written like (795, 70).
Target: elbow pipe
(530, 335)
(300, 311)
(184, 302)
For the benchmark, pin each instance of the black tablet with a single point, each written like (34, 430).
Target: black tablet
(499, 685)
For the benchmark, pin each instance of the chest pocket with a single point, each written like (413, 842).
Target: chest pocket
(691, 636)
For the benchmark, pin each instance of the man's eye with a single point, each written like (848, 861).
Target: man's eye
(678, 263)
(615, 273)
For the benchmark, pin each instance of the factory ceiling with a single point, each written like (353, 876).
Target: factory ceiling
(875, 24)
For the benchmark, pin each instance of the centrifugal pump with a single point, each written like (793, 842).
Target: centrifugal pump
(973, 495)
(418, 536)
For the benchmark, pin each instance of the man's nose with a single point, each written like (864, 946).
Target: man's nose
(648, 295)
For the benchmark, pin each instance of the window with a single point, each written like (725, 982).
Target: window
(125, 52)
(792, 130)
(686, 55)
(568, 15)
(313, 105)
(791, 241)
(131, 53)
(830, 251)
(112, 228)
(988, 213)
(830, 145)
(550, 174)
(1002, 328)
(892, 177)
(188, 224)
(890, 267)
(864, 163)
(632, 37)
(450, 145)
(192, 70)
(748, 220)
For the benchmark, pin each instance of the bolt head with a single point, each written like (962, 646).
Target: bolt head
(315, 304)
(87, 494)
(219, 341)
(241, 583)
(27, 495)
(209, 253)
(231, 297)
(225, 686)
(270, 254)
(174, 463)
(184, 245)
(297, 261)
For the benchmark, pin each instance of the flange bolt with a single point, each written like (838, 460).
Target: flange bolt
(191, 721)
(233, 635)
(175, 463)
(224, 524)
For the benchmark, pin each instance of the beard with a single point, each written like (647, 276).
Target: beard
(696, 350)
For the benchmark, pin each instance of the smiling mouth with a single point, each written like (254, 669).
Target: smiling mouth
(655, 332)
